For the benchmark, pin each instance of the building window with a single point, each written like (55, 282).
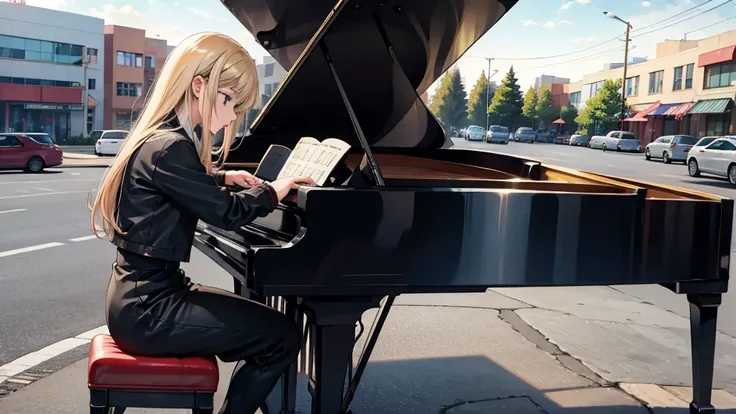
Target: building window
(39, 82)
(593, 88)
(681, 82)
(91, 84)
(575, 98)
(689, 70)
(130, 59)
(656, 81)
(632, 86)
(39, 50)
(720, 76)
(150, 62)
(268, 70)
(92, 55)
(677, 79)
(129, 89)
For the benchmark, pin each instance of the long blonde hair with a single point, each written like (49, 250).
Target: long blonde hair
(223, 63)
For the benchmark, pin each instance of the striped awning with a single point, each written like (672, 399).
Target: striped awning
(641, 116)
(663, 108)
(710, 106)
(680, 110)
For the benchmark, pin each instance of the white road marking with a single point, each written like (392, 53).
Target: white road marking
(43, 194)
(29, 249)
(76, 174)
(13, 211)
(42, 189)
(44, 354)
(83, 238)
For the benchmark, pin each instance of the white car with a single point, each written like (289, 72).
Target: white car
(718, 158)
(108, 142)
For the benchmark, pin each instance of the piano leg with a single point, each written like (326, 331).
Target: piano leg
(288, 392)
(333, 351)
(703, 317)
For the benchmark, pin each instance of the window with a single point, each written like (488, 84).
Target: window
(628, 135)
(7, 141)
(720, 76)
(130, 59)
(41, 139)
(677, 79)
(40, 82)
(92, 55)
(150, 62)
(689, 70)
(722, 145)
(656, 82)
(40, 50)
(268, 70)
(632, 86)
(129, 89)
(114, 135)
(91, 84)
(681, 82)
(574, 98)
(593, 88)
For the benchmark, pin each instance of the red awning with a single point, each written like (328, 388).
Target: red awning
(722, 55)
(558, 121)
(641, 116)
(680, 110)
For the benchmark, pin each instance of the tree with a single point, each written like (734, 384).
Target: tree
(529, 109)
(478, 102)
(505, 108)
(568, 114)
(545, 111)
(604, 108)
(450, 103)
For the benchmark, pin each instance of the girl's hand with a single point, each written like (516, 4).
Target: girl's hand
(242, 179)
(284, 185)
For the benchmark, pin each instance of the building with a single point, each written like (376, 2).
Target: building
(42, 73)
(270, 74)
(688, 88)
(133, 60)
(556, 86)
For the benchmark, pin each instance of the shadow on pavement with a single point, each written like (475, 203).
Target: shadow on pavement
(711, 181)
(18, 172)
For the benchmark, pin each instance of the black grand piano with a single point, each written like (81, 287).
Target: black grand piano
(413, 215)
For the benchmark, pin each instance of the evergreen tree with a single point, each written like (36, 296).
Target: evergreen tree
(477, 102)
(529, 109)
(603, 108)
(545, 111)
(450, 103)
(505, 109)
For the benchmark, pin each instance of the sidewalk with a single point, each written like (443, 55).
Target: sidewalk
(471, 354)
(78, 156)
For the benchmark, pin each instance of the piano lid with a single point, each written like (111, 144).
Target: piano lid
(385, 52)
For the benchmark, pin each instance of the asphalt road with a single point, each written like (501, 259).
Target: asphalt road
(631, 165)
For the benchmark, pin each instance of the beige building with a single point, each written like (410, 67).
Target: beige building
(688, 88)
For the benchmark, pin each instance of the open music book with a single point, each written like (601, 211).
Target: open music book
(308, 158)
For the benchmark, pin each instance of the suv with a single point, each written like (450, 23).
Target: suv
(108, 142)
(32, 151)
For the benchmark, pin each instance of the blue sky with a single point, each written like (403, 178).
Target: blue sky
(533, 28)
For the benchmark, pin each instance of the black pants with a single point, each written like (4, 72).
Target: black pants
(154, 310)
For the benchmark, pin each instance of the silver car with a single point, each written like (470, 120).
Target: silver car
(498, 133)
(670, 148)
(579, 140)
(525, 134)
(475, 133)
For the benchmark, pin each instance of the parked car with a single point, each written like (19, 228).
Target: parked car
(579, 140)
(525, 134)
(703, 142)
(563, 139)
(32, 151)
(475, 133)
(497, 133)
(108, 142)
(670, 148)
(717, 158)
(618, 140)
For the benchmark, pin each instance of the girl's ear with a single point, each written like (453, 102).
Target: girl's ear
(197, 84)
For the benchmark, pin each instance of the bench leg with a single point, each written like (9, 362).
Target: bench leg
(205, 403)
(703, 317)
(98, 402)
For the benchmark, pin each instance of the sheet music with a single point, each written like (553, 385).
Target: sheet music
(314, 159)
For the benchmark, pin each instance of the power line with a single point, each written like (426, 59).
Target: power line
(674, 15)
(710, 25)
(560, 55)
(583, 58)
(680, 21)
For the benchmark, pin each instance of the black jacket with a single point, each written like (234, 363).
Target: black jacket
(166, 190)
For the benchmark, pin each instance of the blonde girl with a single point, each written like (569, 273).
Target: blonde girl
(159, 186)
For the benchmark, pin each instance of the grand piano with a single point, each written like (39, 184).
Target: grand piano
(410, 214)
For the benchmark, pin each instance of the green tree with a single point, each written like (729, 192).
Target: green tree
(507, 101)
(568, 114)
(545, 111)
(450, 103)
(604, 108)
(529, 109)
(478, 102)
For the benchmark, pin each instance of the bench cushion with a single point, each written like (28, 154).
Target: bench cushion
(110, 368)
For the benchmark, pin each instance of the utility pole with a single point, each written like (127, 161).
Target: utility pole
(488, 92)
(85, 99)
(623, 83)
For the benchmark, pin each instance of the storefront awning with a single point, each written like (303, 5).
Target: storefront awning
(680, 110)
(91, 102)
(641, 116)
(663, 108)
(710, 106)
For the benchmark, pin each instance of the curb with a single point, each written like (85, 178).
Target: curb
(82, 166)
(665, 396)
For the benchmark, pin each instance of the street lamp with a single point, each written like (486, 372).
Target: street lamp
(626, 63)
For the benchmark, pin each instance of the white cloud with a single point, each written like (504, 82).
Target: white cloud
(199, 12)
(49, 4)
(127, 15)
(583, 2)
(646, 3)
(566, 5)
(586, 39)
(551, 25)
(529, 23)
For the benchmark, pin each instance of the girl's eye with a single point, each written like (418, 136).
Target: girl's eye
(228, 98)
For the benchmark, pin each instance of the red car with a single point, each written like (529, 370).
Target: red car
(32, 151)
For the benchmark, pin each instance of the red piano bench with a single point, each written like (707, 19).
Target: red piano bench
(117, 380)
